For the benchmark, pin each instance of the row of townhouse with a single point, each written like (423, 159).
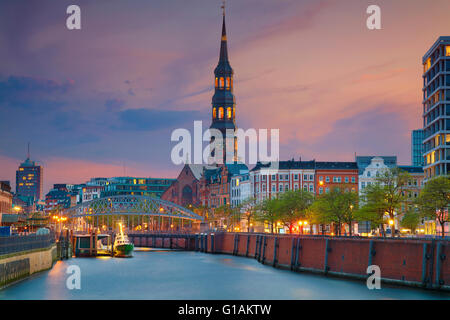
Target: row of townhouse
(234, 184)
(268, 180)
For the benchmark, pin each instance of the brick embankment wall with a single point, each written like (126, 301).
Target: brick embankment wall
(419, 263)
(16, 266)
(411, 262)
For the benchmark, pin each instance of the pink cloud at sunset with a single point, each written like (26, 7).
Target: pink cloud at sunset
(138, 71)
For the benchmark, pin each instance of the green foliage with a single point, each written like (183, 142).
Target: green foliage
(268, 212)
(248, 210)
(293, 206)
(230, 215)
(336, 206)
(374, 206)
(411, 219)
(433, 201)
(385, 196)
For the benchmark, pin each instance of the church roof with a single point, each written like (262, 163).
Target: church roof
(197, 169)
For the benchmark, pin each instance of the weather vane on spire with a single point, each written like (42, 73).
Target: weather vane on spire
(223, 7)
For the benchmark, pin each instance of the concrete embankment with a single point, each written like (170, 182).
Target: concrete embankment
(19, 265)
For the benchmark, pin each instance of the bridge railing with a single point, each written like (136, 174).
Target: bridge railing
(14, 244)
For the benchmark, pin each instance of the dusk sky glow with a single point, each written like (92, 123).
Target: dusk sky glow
(103, 101)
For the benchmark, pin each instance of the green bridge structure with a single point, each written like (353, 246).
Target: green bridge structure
(135, 212)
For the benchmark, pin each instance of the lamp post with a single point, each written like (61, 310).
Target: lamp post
(391, 223)
(350, 227)
(300, 224)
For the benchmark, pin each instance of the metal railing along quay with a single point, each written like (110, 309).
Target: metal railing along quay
(14, 244)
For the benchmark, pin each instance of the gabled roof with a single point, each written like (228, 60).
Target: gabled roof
(364, 161)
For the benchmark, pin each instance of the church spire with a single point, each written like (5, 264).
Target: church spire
(223, 101)
(223, 42)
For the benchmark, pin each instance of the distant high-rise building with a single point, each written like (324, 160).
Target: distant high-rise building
(417, 148)
(118, 186)
(29, 179)
(436, 108)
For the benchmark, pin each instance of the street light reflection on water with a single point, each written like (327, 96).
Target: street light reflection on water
(165, 274)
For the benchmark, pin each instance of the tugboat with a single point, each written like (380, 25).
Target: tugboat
(122, 245)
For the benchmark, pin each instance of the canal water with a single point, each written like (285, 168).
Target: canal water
(192, 275)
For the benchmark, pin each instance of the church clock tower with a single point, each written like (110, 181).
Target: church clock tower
(223, 101)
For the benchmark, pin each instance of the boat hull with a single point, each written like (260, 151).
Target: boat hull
(124, 250)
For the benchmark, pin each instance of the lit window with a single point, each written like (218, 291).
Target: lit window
(228, 83)
(222, 83)
(220, 113)
(427, 65)
(214, 113)
(217, 82)
(229, 113)
(447, 51)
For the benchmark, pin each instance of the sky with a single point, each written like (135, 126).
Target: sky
(103, 101)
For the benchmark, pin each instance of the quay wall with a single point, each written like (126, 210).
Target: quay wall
(19, 265)
(421, 263)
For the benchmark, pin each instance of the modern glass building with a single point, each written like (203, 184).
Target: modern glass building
(29, 180)
(436, 108)
(417, 148)
(136, 186)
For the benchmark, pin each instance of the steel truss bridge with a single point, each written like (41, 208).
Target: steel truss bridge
(136, 208)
